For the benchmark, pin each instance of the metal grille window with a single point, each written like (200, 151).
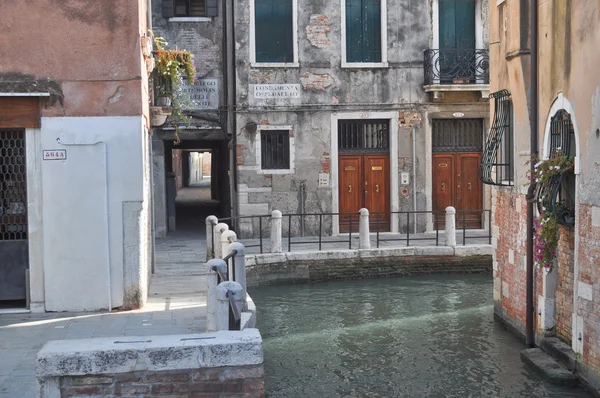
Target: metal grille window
(457, 135)
(497, 159)
(364, 136)
(190, 8)
(13, 186)
(275, 149)
(559, 195)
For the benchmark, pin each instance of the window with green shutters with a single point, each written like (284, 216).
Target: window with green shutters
(274, 38)
(363, 31)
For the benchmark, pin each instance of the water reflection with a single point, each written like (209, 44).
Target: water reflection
(428, 336)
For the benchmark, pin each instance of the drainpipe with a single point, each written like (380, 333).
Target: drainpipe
(529, 336)
(414, 177)
(302, 207)
(229, 30)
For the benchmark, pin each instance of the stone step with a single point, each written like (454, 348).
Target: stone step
(560, 351)
(548, 367)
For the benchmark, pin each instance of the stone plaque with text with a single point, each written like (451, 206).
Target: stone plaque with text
(204, 94)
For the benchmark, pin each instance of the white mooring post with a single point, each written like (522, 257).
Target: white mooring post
(219, 229)
(364, 241)
(211, 222)
(276, 217)
(240, 263)
(223, 302)
(227, 238)
(450, 226)
(212, 281)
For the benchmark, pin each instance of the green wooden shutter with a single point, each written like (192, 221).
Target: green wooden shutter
(457, 24)
(168, 8)
(212, 8)
(371, 31)
(354, 31)
(274, 30)
(363, 30)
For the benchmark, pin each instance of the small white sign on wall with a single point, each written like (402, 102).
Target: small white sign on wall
(55, 154)
(277, 91)
(323, 179)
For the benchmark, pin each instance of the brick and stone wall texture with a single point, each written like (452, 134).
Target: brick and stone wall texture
(564, 289)
(589, 273)
(510, 221)
(230, 382)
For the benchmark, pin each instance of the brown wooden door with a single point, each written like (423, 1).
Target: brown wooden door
(456, 183)
(469, 191)
(364, 182)
(443, 187)
(351, 190)
(377, 192)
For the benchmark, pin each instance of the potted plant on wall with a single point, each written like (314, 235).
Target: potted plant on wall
(172, 67)
(547, 173)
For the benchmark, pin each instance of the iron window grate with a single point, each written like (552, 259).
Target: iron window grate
(497, 161)
(457, 135)
(360, 136)
(275, 149)
(190, 8)
(13, 185)
(559, 195)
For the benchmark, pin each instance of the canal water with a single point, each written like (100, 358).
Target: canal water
(431, 336)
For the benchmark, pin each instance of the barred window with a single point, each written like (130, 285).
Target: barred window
(364, 135)
(559, 195)
(275, 149)
(497, 160)
(189, 8)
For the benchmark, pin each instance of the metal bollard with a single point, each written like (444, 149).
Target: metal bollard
(219, 229)
(212, 281)
(227, 317)
(450, 226)
(211, 222)
(363, 230)
(276, 240)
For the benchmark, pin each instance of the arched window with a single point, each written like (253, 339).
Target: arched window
(559, 195)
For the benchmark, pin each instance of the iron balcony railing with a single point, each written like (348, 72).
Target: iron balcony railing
(470, 66)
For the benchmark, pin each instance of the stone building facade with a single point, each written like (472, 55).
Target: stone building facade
(337, 108)
(74, 155)
(565, 300)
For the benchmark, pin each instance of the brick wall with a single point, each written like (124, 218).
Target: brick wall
(564, 289)
(510, 221)
(589, 273)
(239, 382)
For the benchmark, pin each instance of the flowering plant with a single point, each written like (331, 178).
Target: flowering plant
(171, 66)
(546, 226)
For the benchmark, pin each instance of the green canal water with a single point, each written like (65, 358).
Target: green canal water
(431, 336)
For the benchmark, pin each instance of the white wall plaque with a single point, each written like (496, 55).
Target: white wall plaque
(204, 94)
(323, 179)
(55, 154)
(277, 91)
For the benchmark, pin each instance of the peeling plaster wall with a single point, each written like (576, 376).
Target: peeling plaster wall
(327, 89)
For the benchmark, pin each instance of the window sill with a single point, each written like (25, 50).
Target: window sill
(275, 64)
(276, 171)
(364, 65)
(190, 19)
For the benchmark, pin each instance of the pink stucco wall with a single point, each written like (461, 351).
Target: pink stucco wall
(90, 48)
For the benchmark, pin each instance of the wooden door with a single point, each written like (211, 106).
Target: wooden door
(351, 192)
(456, 183)
(443, 187)
(469, 192)
(377, 192)
(364, 182)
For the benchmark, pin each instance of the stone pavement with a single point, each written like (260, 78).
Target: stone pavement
(176, 305)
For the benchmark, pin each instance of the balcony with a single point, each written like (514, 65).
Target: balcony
(457, 70)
